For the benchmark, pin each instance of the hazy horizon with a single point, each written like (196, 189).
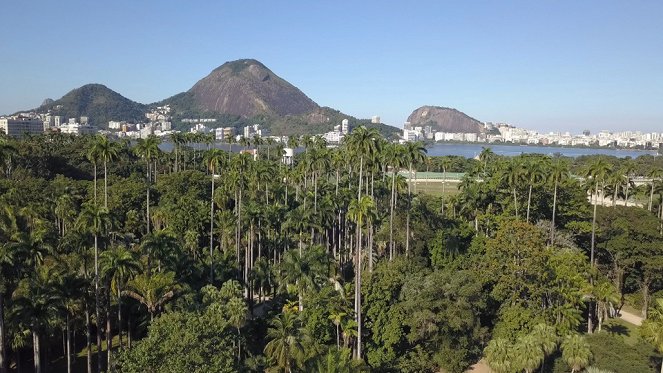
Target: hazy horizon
(548, 66)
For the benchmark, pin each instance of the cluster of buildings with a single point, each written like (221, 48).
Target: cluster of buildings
(339, 132)
(159, 124)
(505, 133)
(32, 123)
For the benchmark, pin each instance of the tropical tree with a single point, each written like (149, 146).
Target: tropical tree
(95, 220)
(153, 291)
(213, 160)
(654, 175)
(535, 176)
(357, 211)
(148, 149)
(108, 151)
(652, 328)
(576, 352)
(35, 304)
(499, 356)
(546, 337)
(414, 153)
(529, 353)
(559, 171)
(117, 266)
(286, 347)
(514, 175)
(597, 171)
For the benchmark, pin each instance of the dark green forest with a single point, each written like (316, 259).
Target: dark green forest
(116, 256)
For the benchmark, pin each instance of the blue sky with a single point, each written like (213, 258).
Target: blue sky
(546, 65)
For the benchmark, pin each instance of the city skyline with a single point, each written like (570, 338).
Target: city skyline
(557, 66)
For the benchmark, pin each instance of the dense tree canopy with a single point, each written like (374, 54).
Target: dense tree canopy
(121, 256)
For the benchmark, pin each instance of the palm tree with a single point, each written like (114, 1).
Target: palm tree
(415, 153)
(394, 158)
(336, 317)
(575, 352)
(485, 156)
(514, 175)
(108, 151)
(8, 271)
(153, 291)
(213, 160)
(529, 353)
(499, 356)
(237, 310)
(148, 149)
(161, 244)
(445, 163)
(596, 172)
(304, 271)
(117, 266)
(627, 170)
(95, 220)
(286, 346)
(357, 211)
(546, 337)
(35, 303)
(178, 139)
(559, 171)
(70, 288)
(93, 157)
(535, 177)
(654, 175)
(652, 328)
(605, 295)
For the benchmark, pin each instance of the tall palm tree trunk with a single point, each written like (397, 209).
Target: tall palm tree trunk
(95, 183)
(109, 335)
(391, 216)
(105, 183)
(96, 301)
(119, 315)
(552, 225)
(36, 350)
(3, 352)
(358, 289)
(626, 189)
(407, 219)
(515, 201)
(529, 201)
(88, 338)
(651, 196)
(148, 197)
(211, 233)
(68, 347)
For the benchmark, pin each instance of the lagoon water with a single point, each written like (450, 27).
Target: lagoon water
(472, 150)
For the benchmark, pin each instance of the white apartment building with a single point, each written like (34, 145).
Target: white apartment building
(19, 126)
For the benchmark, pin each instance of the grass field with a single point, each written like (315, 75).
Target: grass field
(435, 188)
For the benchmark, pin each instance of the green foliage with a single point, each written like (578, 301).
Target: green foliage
(185, 342)
(98, 103)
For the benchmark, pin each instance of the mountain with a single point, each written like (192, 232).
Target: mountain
(244, 88)
(237, 93)
(443, 119)
(98, 102)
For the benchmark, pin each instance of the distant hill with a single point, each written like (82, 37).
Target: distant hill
(99, 103)
(444, 119)
(237, 93)
(244, 88)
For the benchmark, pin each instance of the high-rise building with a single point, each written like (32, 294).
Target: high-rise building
(345, 126)
(19, 126)
(375, 119)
